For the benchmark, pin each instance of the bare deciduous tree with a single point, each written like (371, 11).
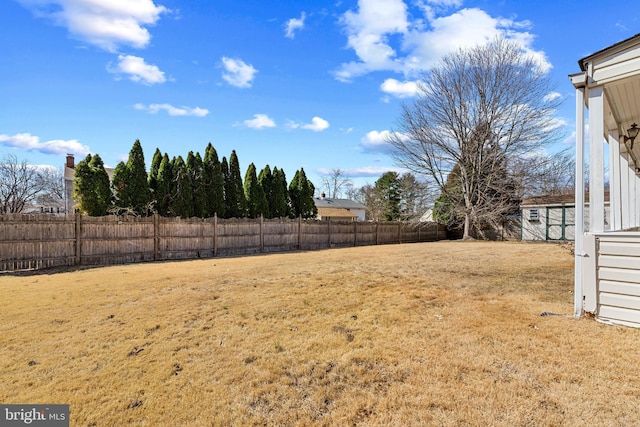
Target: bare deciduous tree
(477, 109)
(22, 183)
(53, 193)
(335, 182)
(543, 174)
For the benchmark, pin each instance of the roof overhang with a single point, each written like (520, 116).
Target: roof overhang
(617, 70)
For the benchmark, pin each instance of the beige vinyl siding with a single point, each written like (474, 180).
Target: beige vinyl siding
(618, 278)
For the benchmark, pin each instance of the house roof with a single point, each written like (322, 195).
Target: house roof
(588, 59)
(335, 213)
(557, 199)
(337, 203)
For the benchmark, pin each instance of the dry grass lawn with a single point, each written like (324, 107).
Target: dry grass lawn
(442, 334)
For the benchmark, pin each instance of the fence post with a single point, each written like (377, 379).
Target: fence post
(78, 238)
(215, 234)
(399, 232)
(329, 226)
(355, 233)
(156, 239)
(261, 233)
(300, 232)
(377, 241)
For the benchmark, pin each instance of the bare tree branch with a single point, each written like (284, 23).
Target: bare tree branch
(335, 182)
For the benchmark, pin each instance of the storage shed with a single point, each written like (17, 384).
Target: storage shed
(552, 217)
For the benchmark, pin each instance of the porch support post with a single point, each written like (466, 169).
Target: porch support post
(615, 213)
(579, 208)
(636, 197)
(596, 159)
(626, 175)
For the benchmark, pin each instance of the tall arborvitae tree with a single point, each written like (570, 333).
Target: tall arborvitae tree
(196, 175)
(301, 193)
(164, 185)
(280, 206)
(182, 200)
(214, 183)
(153, 173)
(132, 186)
(254, 193)
(228, 190)
(234, 190)
(118, 184)
(91, 188)
(265, 179)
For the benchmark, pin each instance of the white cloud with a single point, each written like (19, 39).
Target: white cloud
(317, 124)
(107, 24)
(237, 72)
(260, 121)
(377, 142)
(552, 96)
(173, 111)
(367, 33)
(399, 89)
(385, 37)
(137, 70)
(26, 141)
(364, 172)
(294, 24)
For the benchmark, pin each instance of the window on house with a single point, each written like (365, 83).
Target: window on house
(534, 215)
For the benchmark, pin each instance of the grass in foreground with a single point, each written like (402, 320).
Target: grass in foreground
(445, 333)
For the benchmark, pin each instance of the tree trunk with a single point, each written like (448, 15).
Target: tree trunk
(467, 225)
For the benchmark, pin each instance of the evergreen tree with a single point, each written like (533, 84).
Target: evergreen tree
(265, 179)
(280, 207)
(445, 208)
(132, 186)
(229, 194)
(214, 182)
(91, 189)
(388, 196)
(254, 193)
(182, 200)
(153, 172)
(234, 191)
(163, 188)
(196, 175)
(301, 192)
(118, 184)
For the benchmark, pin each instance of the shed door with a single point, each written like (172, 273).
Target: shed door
(560, 223)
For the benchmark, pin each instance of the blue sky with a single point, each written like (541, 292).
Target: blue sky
(313, 84)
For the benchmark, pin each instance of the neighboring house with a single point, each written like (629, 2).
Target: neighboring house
(427, 216)
(607, 262)
(69, 173)
(339, 209)
(552, 217)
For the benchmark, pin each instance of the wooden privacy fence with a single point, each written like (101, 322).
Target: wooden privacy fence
(41, 241)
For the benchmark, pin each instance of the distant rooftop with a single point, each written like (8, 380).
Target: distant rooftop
(325, 202)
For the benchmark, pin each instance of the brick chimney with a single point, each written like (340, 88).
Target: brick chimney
(70, 161)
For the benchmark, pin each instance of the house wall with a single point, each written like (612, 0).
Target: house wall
(360, 212)
(617, 278)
